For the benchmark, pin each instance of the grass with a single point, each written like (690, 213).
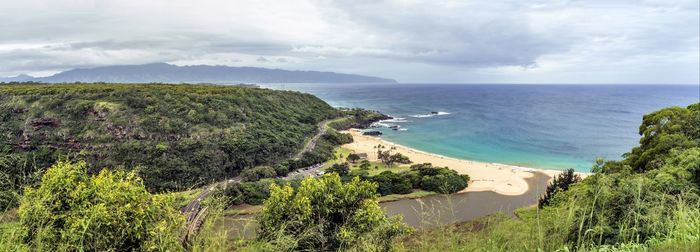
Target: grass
(414, 195)
(8, 216)
(243, 209)
(340, 153)
(536, 230)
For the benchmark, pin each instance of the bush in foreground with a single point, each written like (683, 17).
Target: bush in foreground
(326, 214)
(112, 211)
(560, 183)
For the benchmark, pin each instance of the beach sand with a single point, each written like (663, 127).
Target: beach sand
(500, 178)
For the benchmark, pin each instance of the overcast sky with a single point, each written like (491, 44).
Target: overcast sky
(606, 41)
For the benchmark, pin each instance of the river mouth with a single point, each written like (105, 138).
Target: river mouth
(431, 211)
(438, 210)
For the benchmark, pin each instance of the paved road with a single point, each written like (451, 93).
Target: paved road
(192, 209)
(312, 143)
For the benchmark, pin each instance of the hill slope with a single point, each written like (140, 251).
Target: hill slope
(162, 72)
(178, 136)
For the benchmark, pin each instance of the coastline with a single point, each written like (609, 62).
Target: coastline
(500, 178)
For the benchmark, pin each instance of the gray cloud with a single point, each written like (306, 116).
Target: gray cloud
(412, 41)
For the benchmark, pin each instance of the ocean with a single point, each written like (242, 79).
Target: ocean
(541, 126)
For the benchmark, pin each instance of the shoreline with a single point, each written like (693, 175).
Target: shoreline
(484, 176)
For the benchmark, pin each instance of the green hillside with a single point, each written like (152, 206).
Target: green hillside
(176, 136)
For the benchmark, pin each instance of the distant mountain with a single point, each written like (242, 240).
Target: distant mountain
(18, 78)
(162, 72)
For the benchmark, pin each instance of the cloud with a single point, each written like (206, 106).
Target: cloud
(409, 40)
(262, 59)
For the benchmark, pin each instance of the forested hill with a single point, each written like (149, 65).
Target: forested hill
(162, 72)
(177, 136)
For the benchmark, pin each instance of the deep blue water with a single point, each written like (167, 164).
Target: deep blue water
(545, 126)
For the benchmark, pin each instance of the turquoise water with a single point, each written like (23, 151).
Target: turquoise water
(544, 126)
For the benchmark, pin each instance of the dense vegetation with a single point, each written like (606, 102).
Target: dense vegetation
(326, 214)
(420, 176)
(357, 118)
(112, 211)
(255, 187)
(648, 200)
(175, 136)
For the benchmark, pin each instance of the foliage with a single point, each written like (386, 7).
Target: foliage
(340, 169)
(535, 230)
(176, 136)
(352, 158)
(336, 138)
(386, 157)
(441, 180)
(399, 158)
(110, 211)
(257, 173)
(253, 193)
(392, 183)
(662, 131)
(327, 214)
(322, 152)
(357, 118)
(365, 165)
(561, 182)
(17, 171)
(420, 176)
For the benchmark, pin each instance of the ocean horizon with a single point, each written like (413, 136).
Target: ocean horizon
(548, 126)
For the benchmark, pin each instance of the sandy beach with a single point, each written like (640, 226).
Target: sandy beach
(500, 178)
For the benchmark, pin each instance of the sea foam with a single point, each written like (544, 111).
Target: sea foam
(431, 114)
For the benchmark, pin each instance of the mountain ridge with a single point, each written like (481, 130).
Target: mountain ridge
(168, 73)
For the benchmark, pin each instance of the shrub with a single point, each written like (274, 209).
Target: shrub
(111, 211)
(561, 182)
(341, 169)
(326, 215)
(445, 183)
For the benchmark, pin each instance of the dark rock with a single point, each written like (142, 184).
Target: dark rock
(39, 123)
(372, 133)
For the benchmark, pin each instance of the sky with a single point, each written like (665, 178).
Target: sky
(428, 41)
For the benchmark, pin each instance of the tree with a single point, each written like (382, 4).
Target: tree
(392, 183)
(352, 157)
(365, 165)
(399, 158)
(662, 131)
(561, 182)
(445, 183)
(341, 169)
(327, 215)
(112, 211)
(258, 173)
(438, 179)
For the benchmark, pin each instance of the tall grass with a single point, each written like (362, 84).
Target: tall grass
(550, 229)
